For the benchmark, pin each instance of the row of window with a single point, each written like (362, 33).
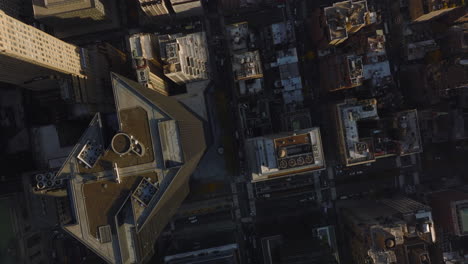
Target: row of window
(20, 36)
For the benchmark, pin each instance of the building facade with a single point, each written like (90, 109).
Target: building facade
(31, 57)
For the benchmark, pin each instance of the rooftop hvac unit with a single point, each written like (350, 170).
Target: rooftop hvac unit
(292, 163)
(105, 235)
(300, 161)
(40, 185)
(39, 177)
(50, 175)
(283, 164)
(49, 183)
(57, 183)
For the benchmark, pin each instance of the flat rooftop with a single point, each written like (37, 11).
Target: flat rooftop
(184, 53)
(407, 125)
(341, 71)
(355, 150)
(120, 187)
(45, 8)
(344, 18)
(247, 65)
(285, 154)
(238, 35)
(290, 80)
(110, 193)
(282, 33)
(355, 69)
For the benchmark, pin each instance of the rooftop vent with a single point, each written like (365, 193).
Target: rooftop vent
(90, 153)
(105, 235)
(46, 181)
(145, 192)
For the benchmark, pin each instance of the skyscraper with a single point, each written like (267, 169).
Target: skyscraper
(154, 8)
(124, 186)
(72, 17)
(30, 57)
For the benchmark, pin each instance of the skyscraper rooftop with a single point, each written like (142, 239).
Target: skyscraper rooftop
(127, 177)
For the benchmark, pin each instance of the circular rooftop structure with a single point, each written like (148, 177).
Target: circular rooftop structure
(121, 143)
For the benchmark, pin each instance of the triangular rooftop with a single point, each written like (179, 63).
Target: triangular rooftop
(125, 185)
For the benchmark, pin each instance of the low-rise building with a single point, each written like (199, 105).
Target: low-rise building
(396, 230)
(289, 81)
(376, 66)
(425, 10)
(341, 72)
(363, 136)
(355, 149)
(184, 57)
(146, 64)
(246, 62)
(285, 154)
(345, 18)
(247, 65)
(238, 34)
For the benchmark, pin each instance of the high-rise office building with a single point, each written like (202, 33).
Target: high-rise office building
(186, 8)
(73, 17)
(185, 57)
(171, 8)
(31, 57)
(154, 8)
(129, 172)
